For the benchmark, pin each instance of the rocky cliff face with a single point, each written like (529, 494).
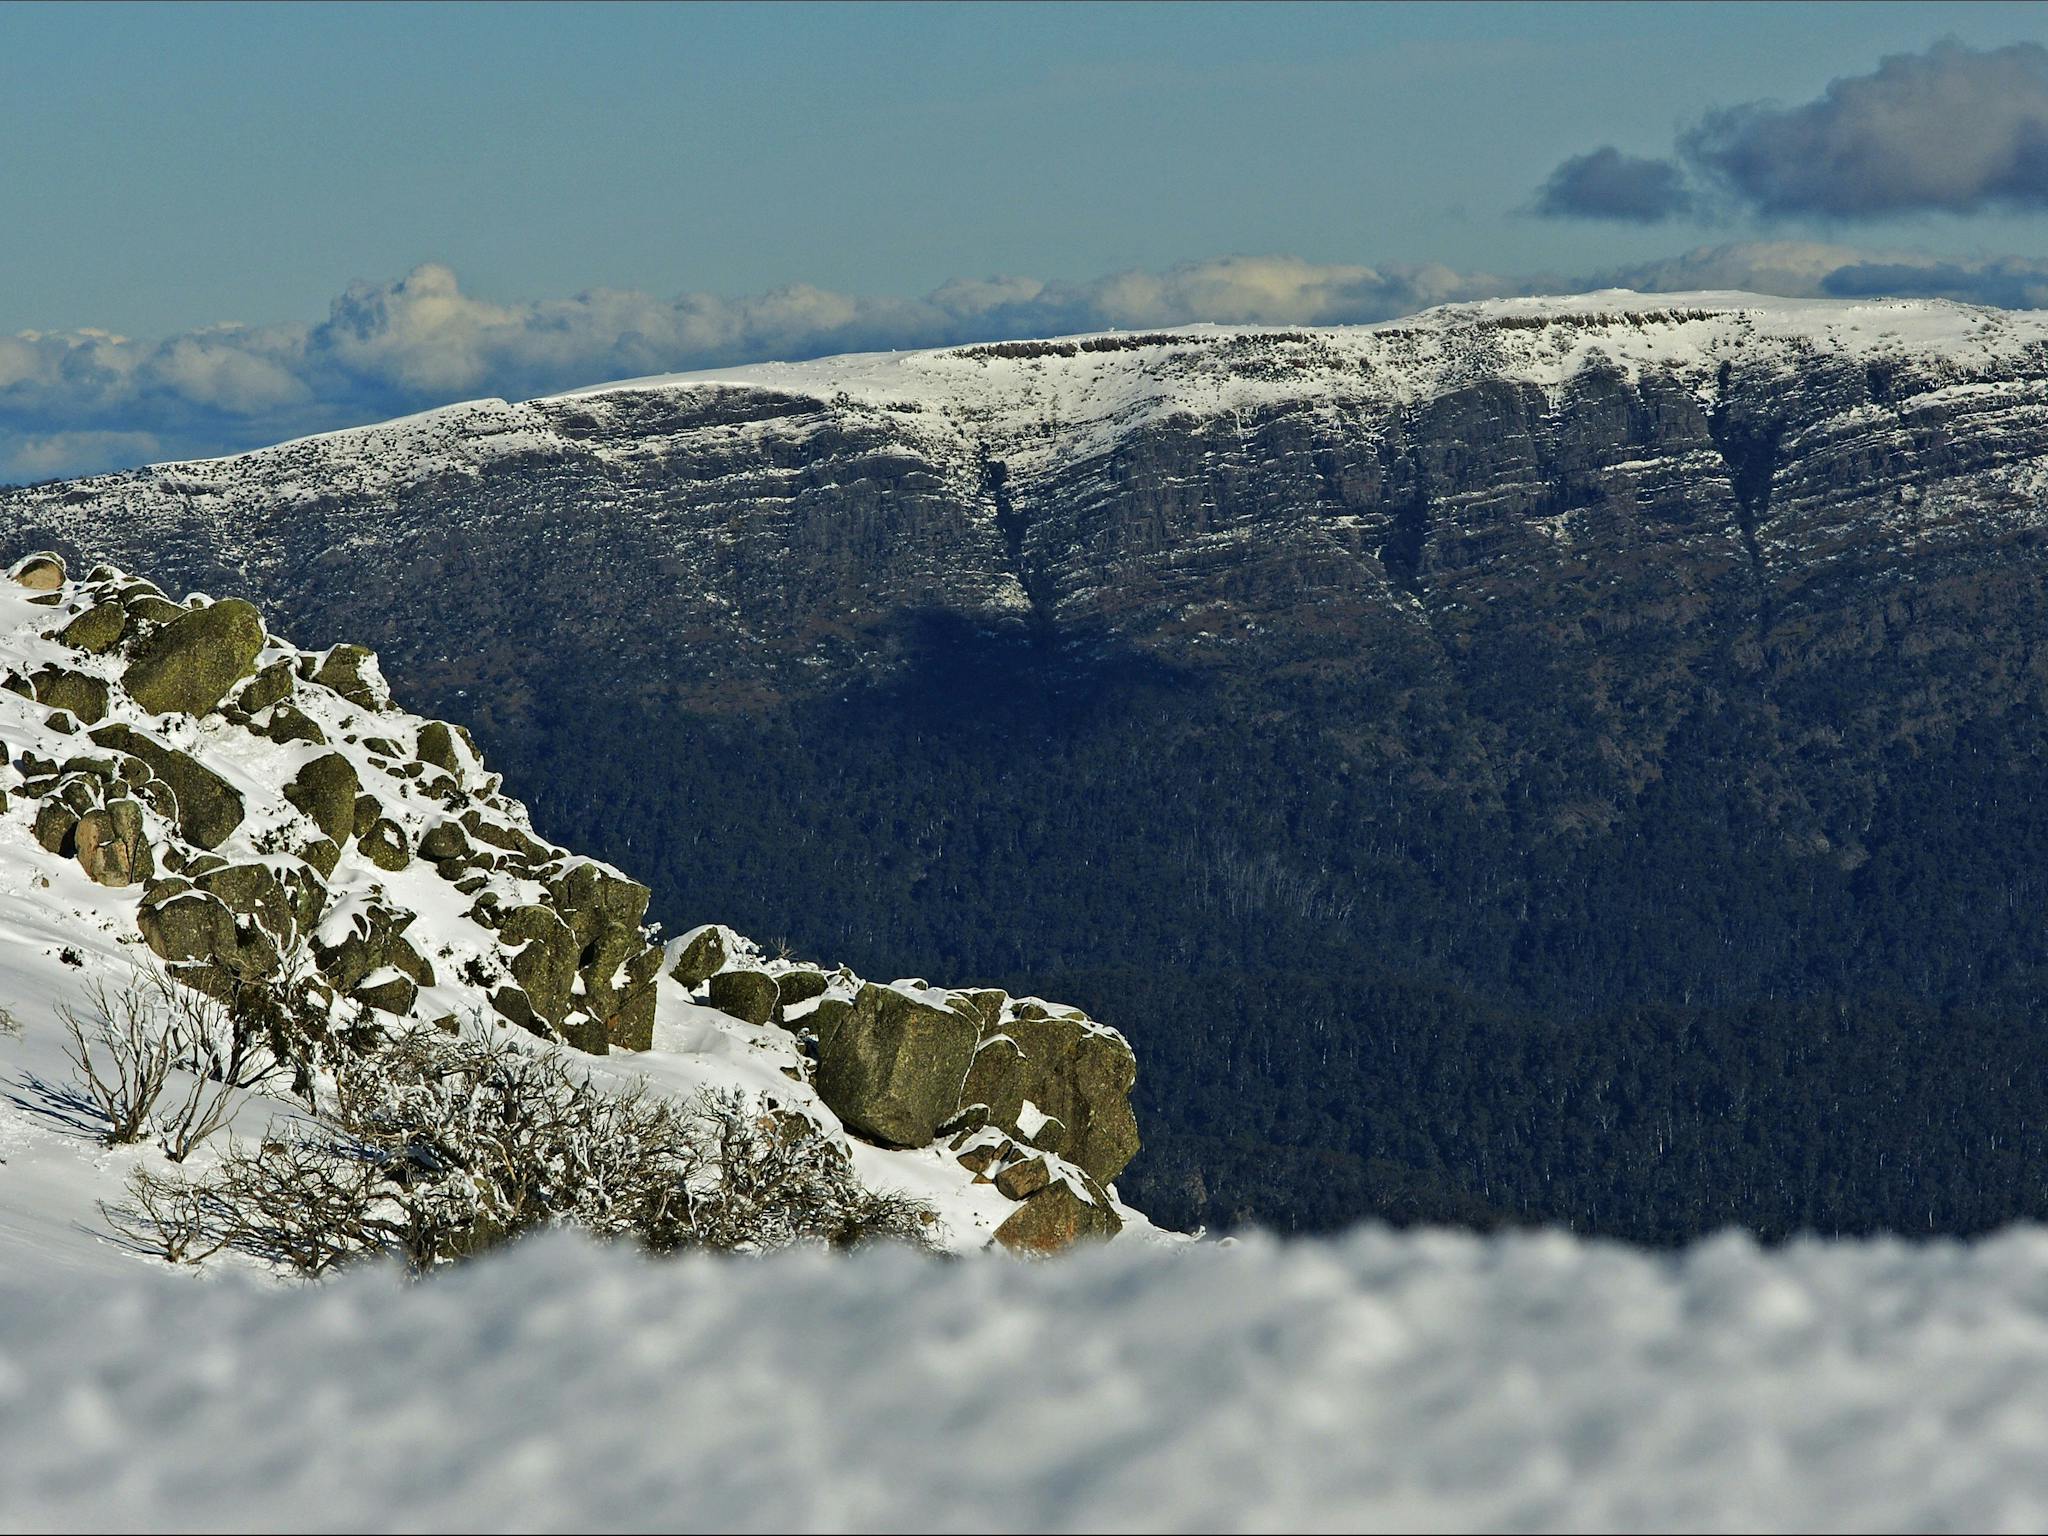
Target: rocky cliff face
(1556, 480)
(1417, 640)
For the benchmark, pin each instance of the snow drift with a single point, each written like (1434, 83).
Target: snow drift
(1385, 1381)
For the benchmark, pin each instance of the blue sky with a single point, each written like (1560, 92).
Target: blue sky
(816, 176)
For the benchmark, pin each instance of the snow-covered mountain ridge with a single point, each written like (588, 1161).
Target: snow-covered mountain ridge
(1107, 486)
(184, 790)
(1108, 652)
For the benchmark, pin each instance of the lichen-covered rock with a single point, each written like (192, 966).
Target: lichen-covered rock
(384, 845)
(703, 952)
(55, 827)
(326, 789)
(187, 925)
(987, 1003)
(1022, 1180)
(629, 1023)
(745, 994)
(85, 696)
(437, 746)
(891, 1066)
(188, 666)
(209, 808)
(97, 630)
(1059, 1216)
(113, 845)
(388, 991)
(253, 892)
(147, 606)
(506, 838)
(373, 941)
(288, 723)
(995, 1080)
(273, 685)
(39, 572)
(351, 671)
(593, 899)
(795, 988)
(545, 966)
(445, 842)
(1075, 1074)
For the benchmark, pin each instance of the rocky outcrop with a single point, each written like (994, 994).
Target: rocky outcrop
(113, 845)
(208, 808)
(1058, 1216)
(254, 800)
(187, 664)
(891, 1065)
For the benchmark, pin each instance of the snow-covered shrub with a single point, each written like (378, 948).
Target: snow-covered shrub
(156, 1056)
(123, 1050)
(434, 1148)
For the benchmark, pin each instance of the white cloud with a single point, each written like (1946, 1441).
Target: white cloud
(74, 453)
(388, 348)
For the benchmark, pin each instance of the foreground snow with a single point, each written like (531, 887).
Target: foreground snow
(1384, 1381)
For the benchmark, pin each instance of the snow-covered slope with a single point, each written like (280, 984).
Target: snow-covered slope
(1074, 396)
(1386, 1382)
(418, 896)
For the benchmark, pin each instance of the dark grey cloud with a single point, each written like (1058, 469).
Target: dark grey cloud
(1952, 130)
(1606, 184)
(2009, 282)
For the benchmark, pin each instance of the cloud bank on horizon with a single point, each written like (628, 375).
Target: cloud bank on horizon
(1952, 130)
(79, 402)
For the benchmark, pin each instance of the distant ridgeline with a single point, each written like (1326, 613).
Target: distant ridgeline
(274, 814)
(1570, 760)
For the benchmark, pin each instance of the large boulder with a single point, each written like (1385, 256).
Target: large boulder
(40, 572)
(113, 848)
(56, 827)
(97, 630)
(795, 988)
(701, 954)
(545, 966)
(388, 991)
(1074, 1074)
(438, 747)
(445, 842)
(592, 898)
(995, 1080)
(384, 845)
(209, 808)
(626, 1011)
(326, 789)
(254, 893)
(188, 666)
(891, 1066)
(372, 942)
(1058, 1217)
(745, 994)
(187, 924)
(273, 685)
(84, 696)
(288, 723)
(351, 671)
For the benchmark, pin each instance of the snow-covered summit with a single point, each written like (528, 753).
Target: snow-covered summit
(1086, 390)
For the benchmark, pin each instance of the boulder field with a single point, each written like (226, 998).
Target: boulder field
(281, 823)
